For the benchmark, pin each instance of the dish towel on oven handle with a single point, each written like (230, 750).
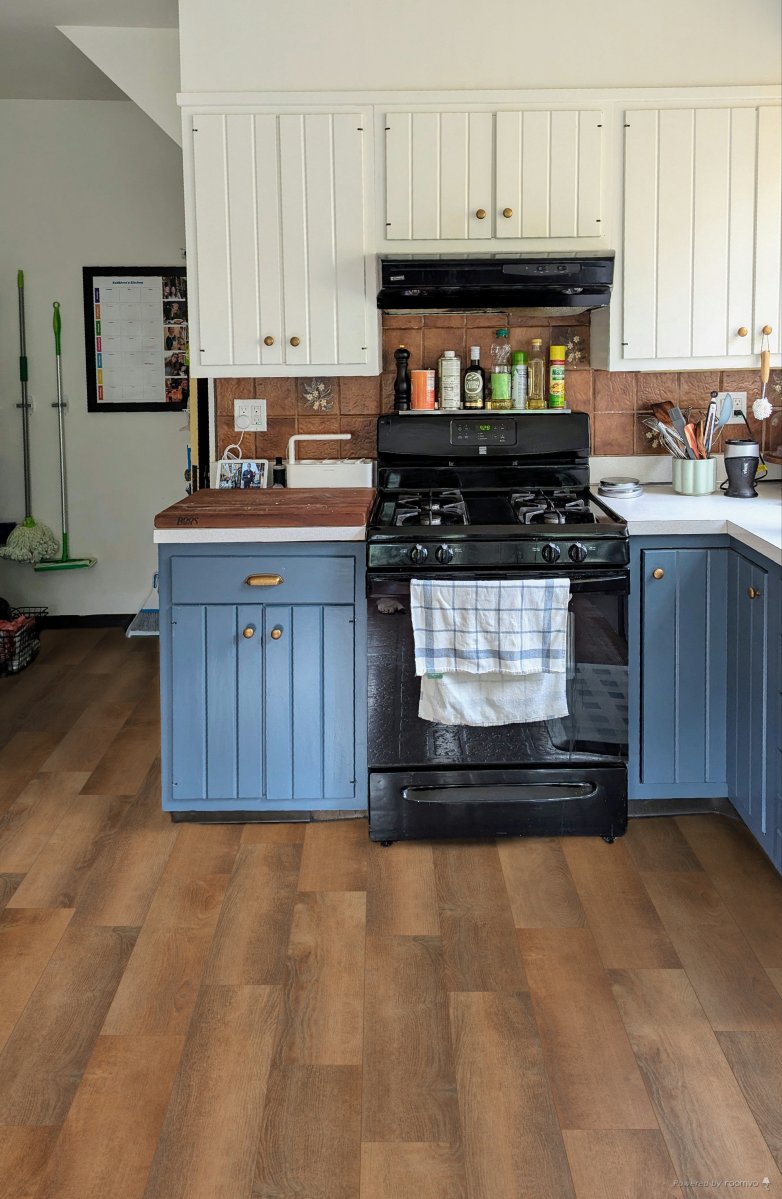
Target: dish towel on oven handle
(491, 652)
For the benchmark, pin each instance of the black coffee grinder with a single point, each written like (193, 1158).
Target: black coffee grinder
(741, 463)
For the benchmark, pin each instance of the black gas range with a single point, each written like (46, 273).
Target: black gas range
(496, 496)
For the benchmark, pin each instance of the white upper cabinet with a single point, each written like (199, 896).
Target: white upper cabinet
(482, 175)
(278, 214)
(702, 220)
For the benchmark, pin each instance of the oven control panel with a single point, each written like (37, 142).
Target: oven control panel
(483, 431)
(561, 554)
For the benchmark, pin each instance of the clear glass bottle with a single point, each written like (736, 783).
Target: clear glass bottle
(500, 371)
(474, 380)
(536, 383)
(518, 384)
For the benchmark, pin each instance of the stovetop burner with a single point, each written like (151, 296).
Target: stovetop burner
(559, 507)
(430, 508)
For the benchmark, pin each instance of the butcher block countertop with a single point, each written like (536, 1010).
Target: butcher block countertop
(276, 514)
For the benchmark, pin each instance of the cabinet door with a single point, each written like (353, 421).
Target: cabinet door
(547, 174)
(217, 715)
(438, 175)
(280, 228)
(748, 658)
(701, 231)
(683, 673)
(268, 717)
(309, 701)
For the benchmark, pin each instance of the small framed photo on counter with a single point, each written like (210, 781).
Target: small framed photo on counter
(136, 338)
(240, 473)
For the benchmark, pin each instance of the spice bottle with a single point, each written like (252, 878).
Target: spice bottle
(500, 371)
(474, 380)
(518, 379)
(536, 396)
(556, 386)
(449, 374)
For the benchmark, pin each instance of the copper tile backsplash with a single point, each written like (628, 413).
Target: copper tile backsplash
(616, 401)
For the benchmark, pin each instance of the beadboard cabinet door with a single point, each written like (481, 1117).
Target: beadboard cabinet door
(750, 686)
(278, 212)
(678, 649)
(267, 719)
(482, 175)
(702, 221)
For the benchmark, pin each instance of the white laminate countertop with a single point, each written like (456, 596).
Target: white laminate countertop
(661, 512)
(225, 536)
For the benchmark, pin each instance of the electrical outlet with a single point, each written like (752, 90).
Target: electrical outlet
(739, 405)
(250, 416)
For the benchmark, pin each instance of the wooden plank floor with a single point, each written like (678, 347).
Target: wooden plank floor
(279, 1011)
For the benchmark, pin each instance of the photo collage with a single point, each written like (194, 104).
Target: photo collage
(175, 338)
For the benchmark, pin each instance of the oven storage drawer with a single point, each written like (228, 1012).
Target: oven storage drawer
(535, 801)
(260, 579)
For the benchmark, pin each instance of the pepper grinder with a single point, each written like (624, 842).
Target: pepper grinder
(402, 380)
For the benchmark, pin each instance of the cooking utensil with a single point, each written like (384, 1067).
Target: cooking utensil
(679, 424)
(711, 420)
(761, 408)
(699, 438)
(662, 411)
(692, 439)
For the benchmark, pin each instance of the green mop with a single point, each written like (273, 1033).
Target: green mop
(65, 561)
(29, 541)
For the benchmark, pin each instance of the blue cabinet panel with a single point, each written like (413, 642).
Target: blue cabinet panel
(748, 695)
(253, 720)
(679, 671)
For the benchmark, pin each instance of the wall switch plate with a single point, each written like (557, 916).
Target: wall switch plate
(250, 416)
(739, 405)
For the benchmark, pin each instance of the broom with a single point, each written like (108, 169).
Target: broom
(29, 541)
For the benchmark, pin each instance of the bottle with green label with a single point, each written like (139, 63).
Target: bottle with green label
(500, 371)
(518, 384)
(474, 380)
(556, 387)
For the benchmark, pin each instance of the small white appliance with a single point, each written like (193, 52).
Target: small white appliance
(327, 472)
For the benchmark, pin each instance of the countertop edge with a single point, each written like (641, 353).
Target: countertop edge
(233, 536)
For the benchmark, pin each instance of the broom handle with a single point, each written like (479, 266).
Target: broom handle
(25, 405)
(60, 406)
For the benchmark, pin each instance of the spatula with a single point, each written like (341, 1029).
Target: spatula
(680, 425)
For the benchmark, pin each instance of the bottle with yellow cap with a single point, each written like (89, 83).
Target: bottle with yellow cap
(556, 386)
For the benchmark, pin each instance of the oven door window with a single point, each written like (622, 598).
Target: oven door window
(595, 729)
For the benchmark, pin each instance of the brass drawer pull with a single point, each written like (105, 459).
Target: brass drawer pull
(276, 633)
(295, 341)
(742, 332)
(658, 573)
(249, 631)
(264, 580)
(481, 214)
(753, 592)
(507, 213)
(268, 341)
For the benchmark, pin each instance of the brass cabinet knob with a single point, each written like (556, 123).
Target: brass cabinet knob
(481, 214)
(767, 330)
(658, 572)
(295, 341)
(743, 331)
(249, 631)
(753, 592)
(276, 633)
(268, 341)
(507, 212)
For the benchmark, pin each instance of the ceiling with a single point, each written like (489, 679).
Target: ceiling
(37, 62)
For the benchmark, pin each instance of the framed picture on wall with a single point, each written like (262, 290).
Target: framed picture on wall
(136, 338)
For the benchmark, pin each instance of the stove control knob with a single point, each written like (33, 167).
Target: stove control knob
(551, 552)
(577, 552)
(444, 553)
(419, 553)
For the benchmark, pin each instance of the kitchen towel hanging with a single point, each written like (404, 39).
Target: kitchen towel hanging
(491, 652)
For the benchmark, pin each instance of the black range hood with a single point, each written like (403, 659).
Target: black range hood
(553, 284)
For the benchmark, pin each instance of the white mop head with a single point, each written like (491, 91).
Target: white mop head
(30, 542)
(761, 408)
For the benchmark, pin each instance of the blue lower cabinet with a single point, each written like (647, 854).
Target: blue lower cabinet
(264, 703)
(678, 657)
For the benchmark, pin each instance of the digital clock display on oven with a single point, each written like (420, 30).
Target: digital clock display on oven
(483, 432)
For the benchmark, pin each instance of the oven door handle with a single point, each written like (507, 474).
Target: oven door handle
(398, 584)
(500, 793)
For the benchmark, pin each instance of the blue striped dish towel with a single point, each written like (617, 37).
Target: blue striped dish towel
(491, 652)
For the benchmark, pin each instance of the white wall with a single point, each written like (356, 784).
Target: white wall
(351, 44)
(85, 183)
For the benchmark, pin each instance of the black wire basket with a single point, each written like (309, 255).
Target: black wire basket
(18, 649)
